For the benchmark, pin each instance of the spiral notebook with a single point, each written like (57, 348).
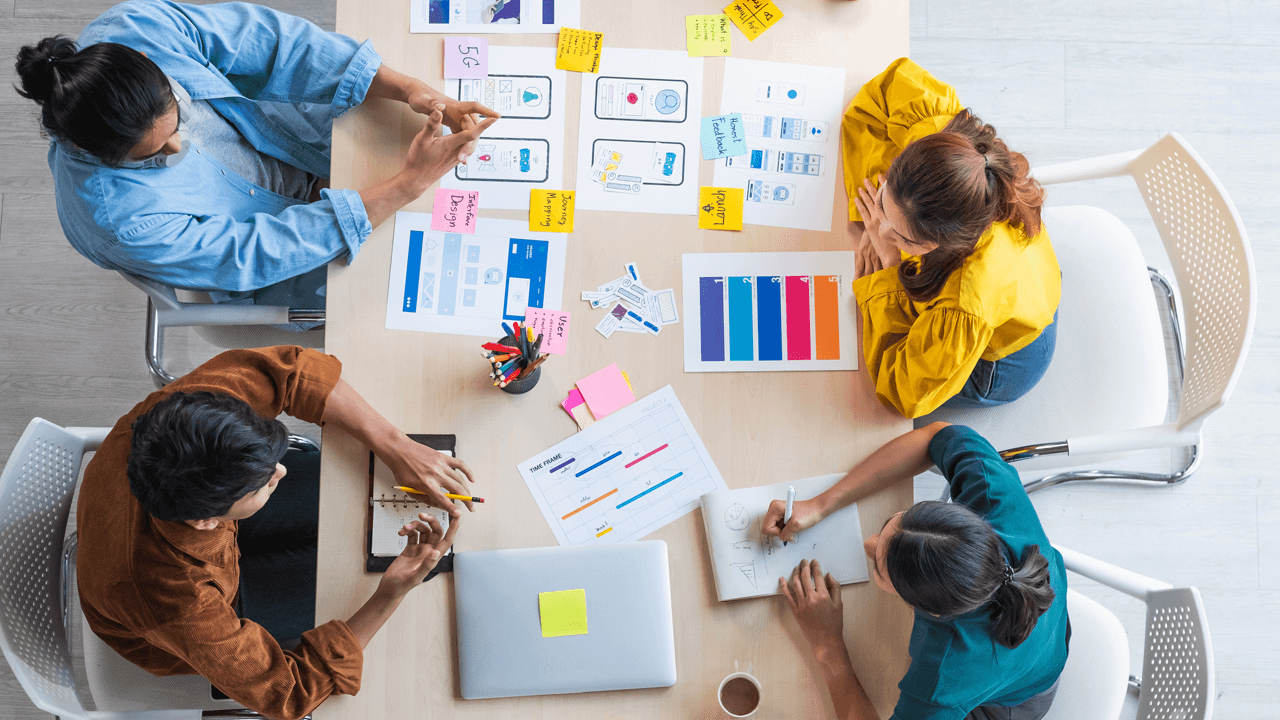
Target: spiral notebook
(391, 509)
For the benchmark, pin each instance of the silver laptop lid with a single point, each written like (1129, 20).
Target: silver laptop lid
(630, 640)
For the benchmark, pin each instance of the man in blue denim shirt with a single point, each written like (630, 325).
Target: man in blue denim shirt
(253, 92)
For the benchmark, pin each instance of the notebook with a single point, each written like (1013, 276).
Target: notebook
(748, 564)
(391, 509)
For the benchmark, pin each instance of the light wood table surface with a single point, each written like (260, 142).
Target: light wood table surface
(759, 428)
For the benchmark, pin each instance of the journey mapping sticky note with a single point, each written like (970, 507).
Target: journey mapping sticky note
(455, 210)
(563, 612)
(466, 58)
(606, 391)
(723, 136)
(551, 210)
(753, 16)
(720, 208)
(552, 325)
(707, 35)
(579, 50)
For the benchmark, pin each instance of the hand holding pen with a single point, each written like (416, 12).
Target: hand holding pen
(804, 514)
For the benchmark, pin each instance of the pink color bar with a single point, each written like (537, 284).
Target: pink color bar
(798, 317)
(642, 457)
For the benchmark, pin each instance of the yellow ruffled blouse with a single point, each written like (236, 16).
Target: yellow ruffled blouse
(920, 354)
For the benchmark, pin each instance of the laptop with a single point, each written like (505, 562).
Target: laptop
(630, 639)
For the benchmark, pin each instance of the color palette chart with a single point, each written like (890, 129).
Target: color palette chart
(769, 311)
(625, 476)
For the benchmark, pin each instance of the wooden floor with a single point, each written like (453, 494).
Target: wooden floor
(1059, 81)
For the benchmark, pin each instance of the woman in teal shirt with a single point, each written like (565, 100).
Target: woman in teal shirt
(989, 591)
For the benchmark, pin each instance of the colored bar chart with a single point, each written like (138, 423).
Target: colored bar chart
(797, 317)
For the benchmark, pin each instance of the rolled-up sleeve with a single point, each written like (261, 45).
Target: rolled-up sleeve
(273, 380)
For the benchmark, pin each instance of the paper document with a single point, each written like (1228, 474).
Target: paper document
(493, 16)
(393, 509)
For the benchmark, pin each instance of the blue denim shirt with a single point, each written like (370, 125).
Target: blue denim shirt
(280, 81)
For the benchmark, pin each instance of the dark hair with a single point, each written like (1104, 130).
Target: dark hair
(193, 455)
(948, 561)
(102, 99)
(952, 185)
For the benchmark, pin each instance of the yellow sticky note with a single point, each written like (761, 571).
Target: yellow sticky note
(753, 16)
(707, 34)
(720, 208)
(627, 377)
(564, 612)
(579, 50)
(551, 210)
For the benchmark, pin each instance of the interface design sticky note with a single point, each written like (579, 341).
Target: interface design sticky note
(563, 612)
(551, 210)
(723, 136)
(455, 210)
(579, 50)
(466, 58)
(707, 35)
(553, 326)
(720, 208)
(753, 17)
(606, 391)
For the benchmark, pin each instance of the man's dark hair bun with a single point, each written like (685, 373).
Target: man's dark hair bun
(37, 66)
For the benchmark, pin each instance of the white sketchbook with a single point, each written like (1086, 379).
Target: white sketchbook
(393, 509)
(747, 564)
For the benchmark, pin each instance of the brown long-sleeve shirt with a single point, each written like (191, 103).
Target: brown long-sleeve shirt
(162, 594)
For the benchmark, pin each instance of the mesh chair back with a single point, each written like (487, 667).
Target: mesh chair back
(35, 500)
(1213, 264)
(1177, 667)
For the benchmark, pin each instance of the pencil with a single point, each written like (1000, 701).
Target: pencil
(451, 496)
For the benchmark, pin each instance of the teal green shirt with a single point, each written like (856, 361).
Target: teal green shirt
(956, 664)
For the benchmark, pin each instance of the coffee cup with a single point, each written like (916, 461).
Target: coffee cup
(739, 695)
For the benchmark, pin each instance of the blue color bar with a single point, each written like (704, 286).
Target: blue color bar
(711, 309)
(646, 492)
(411, 279)
(741, 338)
(593, 467)
(769, 316)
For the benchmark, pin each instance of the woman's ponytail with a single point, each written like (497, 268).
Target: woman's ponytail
(37, 67)
(1023, 596)
(1016, 197)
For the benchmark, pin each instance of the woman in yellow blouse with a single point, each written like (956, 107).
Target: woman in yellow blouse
(957, 281)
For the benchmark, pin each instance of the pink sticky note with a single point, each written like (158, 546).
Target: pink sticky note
(553, 326)
(466, 58)
(455, 210)
(573, 401)
(606, 391)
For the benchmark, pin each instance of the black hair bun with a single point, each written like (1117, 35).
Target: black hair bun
(38, 66)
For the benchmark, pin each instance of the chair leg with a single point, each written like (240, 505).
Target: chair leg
(1136, 478)
(302, 442)
(153, 348)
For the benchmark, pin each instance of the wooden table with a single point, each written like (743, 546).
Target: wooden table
(760, 428)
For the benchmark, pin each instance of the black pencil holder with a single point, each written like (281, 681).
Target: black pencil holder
(524, 383)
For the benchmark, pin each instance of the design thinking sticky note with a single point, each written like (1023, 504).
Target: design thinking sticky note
(720, 208)
(466, 58)
(606, 391)
(579, 50)
(753, 17)
(707, 35)
(551, 210)
(553, 326)
(455, 210)
(723, 136)
(563, 612)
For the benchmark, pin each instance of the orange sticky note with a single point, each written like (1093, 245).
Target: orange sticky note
(720, 208)
(551, 210)
(579, 50)
(753, 17)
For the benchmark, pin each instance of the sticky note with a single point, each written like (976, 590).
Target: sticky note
(606, 391)
(455, 210)
(707, 35)
(551, 210)
(753, 16)
(723, 136)
(579, 50)
(552, 325)
(720, 208)
(563, 612)
(466, 58)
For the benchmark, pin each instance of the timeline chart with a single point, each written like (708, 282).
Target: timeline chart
(625, 476)
(796, 319)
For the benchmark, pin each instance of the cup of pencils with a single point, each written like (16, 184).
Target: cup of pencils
(514, 360)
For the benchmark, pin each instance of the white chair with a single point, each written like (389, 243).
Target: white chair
(36, 488)
(1177, 666)
(222, 325)
(1106, 393)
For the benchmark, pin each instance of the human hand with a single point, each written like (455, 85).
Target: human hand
(431, 154)
(427, 543)
(457, 116)
(804, 514)
(432, 472)
(868, 204)
(815, 601)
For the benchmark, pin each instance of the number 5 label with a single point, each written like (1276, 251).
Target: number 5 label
(466, 58)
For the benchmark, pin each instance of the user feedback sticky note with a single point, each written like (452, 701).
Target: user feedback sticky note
(579, 50)
(466, 58)
(720, 208)
(723, 136)
(753, 17)
(707, 35)
(455, 210)
(551, 210)
(563, 612)
(552, 325)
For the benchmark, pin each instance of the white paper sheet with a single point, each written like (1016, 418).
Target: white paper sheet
(645, 105)
(467, 284)
(625, 476)
(474, 17)
(393, 509)
(792, 116)
(748, 564)
(769, 311)
(524, 149)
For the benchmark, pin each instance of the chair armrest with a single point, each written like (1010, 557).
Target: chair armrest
(1087, 169)
(1148, 438)
(223, 314)
(1126, 581)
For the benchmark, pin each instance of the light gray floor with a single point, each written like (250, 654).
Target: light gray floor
(1059, 80)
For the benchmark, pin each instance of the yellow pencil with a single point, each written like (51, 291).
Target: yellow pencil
(451, 496)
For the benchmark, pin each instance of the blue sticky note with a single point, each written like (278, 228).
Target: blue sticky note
(723, 136)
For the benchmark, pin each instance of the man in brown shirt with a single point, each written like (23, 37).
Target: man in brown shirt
(157, 563)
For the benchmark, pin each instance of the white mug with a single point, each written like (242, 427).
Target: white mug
(750, 678)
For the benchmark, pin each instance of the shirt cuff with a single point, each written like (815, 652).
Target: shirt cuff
(318, 375)
(879, 282)
(356, 80)
(348, 208)
(338, 650)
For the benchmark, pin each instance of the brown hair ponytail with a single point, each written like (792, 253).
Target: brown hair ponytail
(952, 185)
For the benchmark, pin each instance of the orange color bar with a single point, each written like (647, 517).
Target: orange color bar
(593, 502)
(826, 315)
(602, 532)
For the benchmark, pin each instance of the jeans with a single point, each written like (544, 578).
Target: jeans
(1033, 708)
(1009, 378)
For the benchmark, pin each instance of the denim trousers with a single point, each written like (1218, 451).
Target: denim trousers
(1002, 381)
